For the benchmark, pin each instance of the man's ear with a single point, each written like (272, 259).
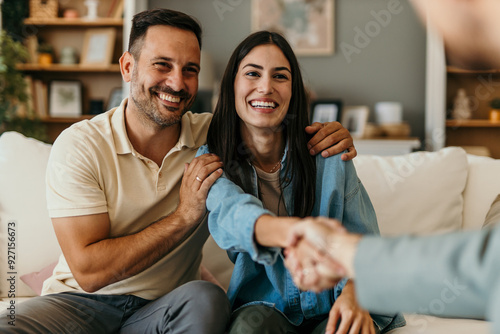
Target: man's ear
(127, 63)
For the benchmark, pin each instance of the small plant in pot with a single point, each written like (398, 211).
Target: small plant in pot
(45, 53)
(495, 110)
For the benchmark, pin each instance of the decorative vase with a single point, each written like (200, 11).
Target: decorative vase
(461, 106)
(91, 9)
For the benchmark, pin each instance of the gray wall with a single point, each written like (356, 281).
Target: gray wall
(390, 66)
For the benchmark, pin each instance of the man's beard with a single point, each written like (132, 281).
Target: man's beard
(149, 108)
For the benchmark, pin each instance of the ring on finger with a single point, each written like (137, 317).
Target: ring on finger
(198, 179)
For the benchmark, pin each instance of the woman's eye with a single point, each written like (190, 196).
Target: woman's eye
(281, 76)
(252, 74)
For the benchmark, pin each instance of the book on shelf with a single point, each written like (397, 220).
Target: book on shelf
(31, 43)
(40, 98)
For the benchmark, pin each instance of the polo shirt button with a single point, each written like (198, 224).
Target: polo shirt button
(160, 174)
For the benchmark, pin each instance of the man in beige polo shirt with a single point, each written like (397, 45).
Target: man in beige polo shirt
(127, 200)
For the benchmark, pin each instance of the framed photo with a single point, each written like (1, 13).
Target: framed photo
(354, 119)
(308, 25)
(115, 98)
(98, 47)
(65, 98)
(326, 111)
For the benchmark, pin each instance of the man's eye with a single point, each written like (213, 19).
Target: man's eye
(162, 65)
(192, 70)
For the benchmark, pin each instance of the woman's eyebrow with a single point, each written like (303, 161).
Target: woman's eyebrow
(282, 68)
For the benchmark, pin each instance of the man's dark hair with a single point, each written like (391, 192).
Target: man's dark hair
(167, 17)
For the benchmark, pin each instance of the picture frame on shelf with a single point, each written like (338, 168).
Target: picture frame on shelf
(326, 110)
(307, 25)
(98, 45)
(115, 98)
(354, 119)
(65, 98)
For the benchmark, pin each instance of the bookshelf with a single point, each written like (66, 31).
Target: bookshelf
(97, 81)
(443, 81)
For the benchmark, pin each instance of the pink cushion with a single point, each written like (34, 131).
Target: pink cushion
(35, 280)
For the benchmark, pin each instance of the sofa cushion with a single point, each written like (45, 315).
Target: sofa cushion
(483, 185)
(493, 215)
(22, 205)
(418, 193)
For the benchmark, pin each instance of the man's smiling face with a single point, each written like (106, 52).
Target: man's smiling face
(165, 77)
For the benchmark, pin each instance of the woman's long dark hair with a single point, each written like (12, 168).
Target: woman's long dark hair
(224, 136)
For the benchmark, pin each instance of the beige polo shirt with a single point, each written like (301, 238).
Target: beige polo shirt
(93, 169)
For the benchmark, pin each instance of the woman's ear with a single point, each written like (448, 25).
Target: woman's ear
(127, 63)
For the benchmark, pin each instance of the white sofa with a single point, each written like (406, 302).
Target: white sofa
(418, 193)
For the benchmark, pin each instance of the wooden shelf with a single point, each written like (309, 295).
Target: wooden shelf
(113, 68)
(457, 70)
(472, 123)
(66, 119)
(78, 22)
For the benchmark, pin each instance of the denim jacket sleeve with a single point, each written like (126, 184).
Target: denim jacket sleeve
(341, 195)
(232, 218)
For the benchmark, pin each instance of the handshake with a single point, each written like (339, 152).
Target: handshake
(319, 253)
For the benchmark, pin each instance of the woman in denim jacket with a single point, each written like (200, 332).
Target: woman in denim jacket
(258, 132)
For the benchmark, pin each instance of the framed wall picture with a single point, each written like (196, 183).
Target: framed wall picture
(354, 119)
(98, 47)
(65, 98)
(307, 25)
(326, 111)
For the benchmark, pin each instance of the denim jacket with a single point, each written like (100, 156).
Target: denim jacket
(259, 275)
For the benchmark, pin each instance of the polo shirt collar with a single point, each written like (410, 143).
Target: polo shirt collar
(186, 139)
(122, 142)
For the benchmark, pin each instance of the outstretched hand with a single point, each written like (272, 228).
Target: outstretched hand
(320, 253)
(330, 138)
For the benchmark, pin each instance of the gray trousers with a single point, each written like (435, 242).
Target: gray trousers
(195, 307)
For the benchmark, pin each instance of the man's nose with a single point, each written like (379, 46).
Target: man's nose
(175, 80)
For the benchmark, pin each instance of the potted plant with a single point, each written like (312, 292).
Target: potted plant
(495, 110)
(45, 53)
(13, 91)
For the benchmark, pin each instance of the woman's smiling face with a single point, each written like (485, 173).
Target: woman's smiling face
(263, 87)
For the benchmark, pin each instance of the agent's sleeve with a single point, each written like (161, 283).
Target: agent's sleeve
(446, 275)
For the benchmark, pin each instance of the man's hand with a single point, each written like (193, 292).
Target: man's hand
(199, 176)
(353, 318)
(330, 139)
